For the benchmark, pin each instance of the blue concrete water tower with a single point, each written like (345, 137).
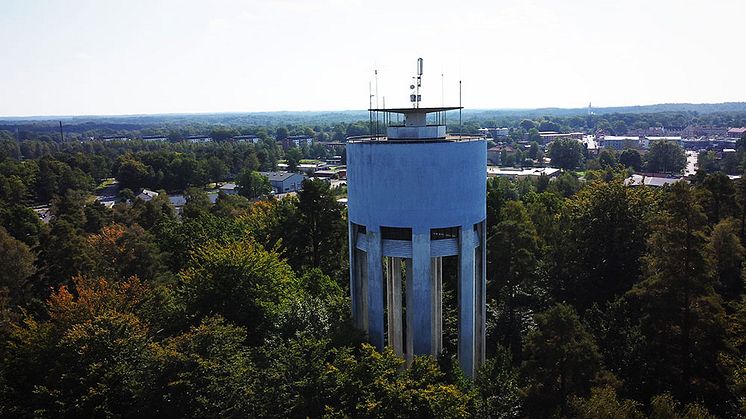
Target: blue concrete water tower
(416, 195)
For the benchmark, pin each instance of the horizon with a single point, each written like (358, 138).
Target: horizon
(185, 57)
(466, 110)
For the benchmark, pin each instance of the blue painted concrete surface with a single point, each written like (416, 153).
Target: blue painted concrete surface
(418, 185)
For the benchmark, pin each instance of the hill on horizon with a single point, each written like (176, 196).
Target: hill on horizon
(270, 117)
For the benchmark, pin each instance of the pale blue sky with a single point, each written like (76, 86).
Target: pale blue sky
(125, 57)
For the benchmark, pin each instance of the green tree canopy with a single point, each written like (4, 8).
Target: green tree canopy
(197, 203)
(681, 316)
(631, 158)
(566, 153)
(240, 281)
(665, 157)
(253, 185)
(561, 360)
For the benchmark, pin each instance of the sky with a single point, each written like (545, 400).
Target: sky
(104, 57)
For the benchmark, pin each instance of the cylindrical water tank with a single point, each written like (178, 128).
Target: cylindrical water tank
(420, 185)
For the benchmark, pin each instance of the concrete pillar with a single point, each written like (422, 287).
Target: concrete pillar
(354, 287)
(481, 281)
(422, 294)
(393, 304)
(466, 301)
(375, 290)
(409, 298)
(361, 290)
(437, 307)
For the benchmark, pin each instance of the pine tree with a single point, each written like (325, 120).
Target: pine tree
(681, 315)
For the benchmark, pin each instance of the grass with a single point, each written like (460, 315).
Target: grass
(106, 182)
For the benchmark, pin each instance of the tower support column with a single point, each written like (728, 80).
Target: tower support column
(409, 296)
(354, 280)
(421, 307)
(466, 300)
(394, 304)
(437, 305)
(481, 281)
(361, 289)
(375, 290)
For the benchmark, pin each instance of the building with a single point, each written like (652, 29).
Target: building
(416, 197)
(296, 141)
(495, 133)
(549, 136)
(495, 154)
(620, 142)
(310, 167)
(656, 132)
(229, 188)
(147, 195)
(108, 138)
(649, 141)
(653, 181)
(196, 139)
(155, 138)
(326, 174)
(283, 182)
(178, 201)
(254, 139)
(516, 173)
(736, 132)
(694, 131)
(334, 160)
(700, 144)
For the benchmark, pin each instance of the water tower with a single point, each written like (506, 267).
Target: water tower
(415, 196)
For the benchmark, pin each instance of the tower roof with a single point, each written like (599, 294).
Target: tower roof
(417, 110)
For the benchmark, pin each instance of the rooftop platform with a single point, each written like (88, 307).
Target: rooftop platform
(418, 110)
(384, 139)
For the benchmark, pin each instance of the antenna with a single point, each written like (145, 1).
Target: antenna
(442, 90)
(370, 110)
(375, 72)
(62, 134)
(459, 109)
(415, 98)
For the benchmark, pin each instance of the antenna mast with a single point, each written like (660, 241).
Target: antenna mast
(375, 72)
(442, 90)
(370, 109)
(415, 98)
(460, 128)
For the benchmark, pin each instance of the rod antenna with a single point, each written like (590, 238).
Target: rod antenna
(415, 97)
(375, 73)
(370, 109)
(460, 127)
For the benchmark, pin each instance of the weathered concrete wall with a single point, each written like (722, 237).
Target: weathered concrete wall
(417, 185)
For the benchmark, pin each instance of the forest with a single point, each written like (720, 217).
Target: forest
(603, 300)
(337, 126)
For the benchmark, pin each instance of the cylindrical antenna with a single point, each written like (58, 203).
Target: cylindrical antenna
(442, 90)
(460, 128)
(62, 134)
(375, 73)
(370, 109)
(418, 98)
